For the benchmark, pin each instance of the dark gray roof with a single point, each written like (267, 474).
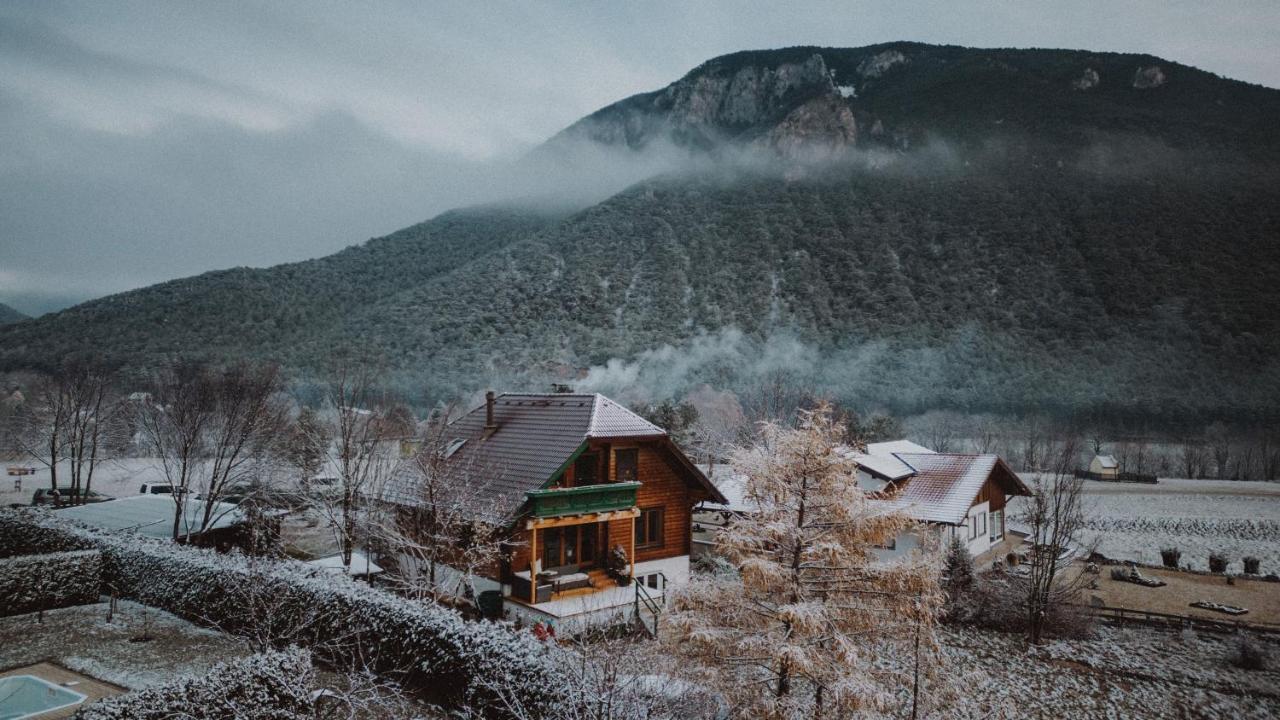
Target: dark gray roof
(536, 435)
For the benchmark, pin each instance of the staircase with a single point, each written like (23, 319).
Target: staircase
(648, 606)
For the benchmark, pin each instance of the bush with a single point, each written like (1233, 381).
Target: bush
(44, 582)
(1248, 654)
(431, 648)
(274, 686)
(1252, 565)
(1170, 557)
(1120, 574)
(1217, 563)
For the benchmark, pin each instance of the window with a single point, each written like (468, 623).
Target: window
(586, 470)
(628, 462)
(997, 524)
(649, 527)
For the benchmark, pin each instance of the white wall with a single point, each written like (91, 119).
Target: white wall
(870, 483)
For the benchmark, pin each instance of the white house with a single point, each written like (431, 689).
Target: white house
(957, 495)
(1104, 466)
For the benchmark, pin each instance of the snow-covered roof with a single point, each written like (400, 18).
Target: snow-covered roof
(609, 419)
(945, 485)
(730, 484)
(360, 564)
(880, 458)
(1107, 461)
(151, 515)
(890, 447)
(536, 436)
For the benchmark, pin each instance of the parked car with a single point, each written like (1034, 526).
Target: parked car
(46, 496)
(156, 489)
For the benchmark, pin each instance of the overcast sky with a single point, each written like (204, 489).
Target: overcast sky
(145, 141)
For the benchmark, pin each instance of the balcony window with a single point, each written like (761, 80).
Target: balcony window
(649, 527)
(586, 471)
(628, 464)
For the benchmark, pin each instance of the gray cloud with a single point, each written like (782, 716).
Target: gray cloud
(142, 141)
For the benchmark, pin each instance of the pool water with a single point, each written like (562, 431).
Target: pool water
(26, 696)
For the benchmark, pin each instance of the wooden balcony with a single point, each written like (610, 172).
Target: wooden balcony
(585, 500)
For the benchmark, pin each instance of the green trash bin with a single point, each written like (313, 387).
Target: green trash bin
(490, 603)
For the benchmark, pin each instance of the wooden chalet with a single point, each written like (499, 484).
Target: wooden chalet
(597, 501)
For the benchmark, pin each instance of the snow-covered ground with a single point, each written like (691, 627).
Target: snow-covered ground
(80, 638)
(1133, 522)
(117, 478)
(1121, 673)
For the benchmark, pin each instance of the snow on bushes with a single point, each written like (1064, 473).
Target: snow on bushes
(428, 647)
(42, 582)
(274, 685)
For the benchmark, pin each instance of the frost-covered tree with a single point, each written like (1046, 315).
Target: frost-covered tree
(957, 578)
(794, 631)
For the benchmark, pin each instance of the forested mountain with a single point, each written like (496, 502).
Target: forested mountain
(904, 225)
(9, 315)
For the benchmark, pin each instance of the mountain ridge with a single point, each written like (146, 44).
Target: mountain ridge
(982, 229)
(10, 315)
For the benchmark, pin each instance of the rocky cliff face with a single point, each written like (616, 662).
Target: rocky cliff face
(792, 107)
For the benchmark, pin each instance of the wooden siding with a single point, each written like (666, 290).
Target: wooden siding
(662, 484)
(991, 493)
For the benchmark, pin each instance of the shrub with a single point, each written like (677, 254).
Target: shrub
(1119, 574)
(1217, 563)
(275, 686)
(1248, 654)
(1170, 557)
(54, 580)
(431, 648)
(1252, 565)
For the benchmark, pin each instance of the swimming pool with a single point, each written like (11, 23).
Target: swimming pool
(25, 696)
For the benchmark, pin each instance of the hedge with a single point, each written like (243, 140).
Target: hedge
(267, 686)
(429, 648)
(53, 580)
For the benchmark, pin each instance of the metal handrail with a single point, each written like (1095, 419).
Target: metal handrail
(643, 596)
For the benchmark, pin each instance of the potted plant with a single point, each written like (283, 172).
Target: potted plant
(618, 566)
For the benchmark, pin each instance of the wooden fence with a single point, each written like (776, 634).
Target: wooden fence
(1123, 616)
(1125, 477)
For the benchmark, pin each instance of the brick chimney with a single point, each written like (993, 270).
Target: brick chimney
(490, 425)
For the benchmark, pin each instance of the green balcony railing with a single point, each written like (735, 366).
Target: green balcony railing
(582, 500)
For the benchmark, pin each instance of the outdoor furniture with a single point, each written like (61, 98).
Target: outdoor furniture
(572, 581)
(520, 587)
(1219, 607)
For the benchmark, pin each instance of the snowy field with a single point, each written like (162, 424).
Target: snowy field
(1121, 673)
(1133, 521)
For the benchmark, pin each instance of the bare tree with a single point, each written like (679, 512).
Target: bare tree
(1191, 458)
(364, 430)
(1055, 517)
(41, 424)
(68, 415)
(941, 430)
(986, 434)
(788, 634)
(248, 420)
(1219, 439)
(211, 430)
(174, 424)
(443, 516)
(94, 411)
